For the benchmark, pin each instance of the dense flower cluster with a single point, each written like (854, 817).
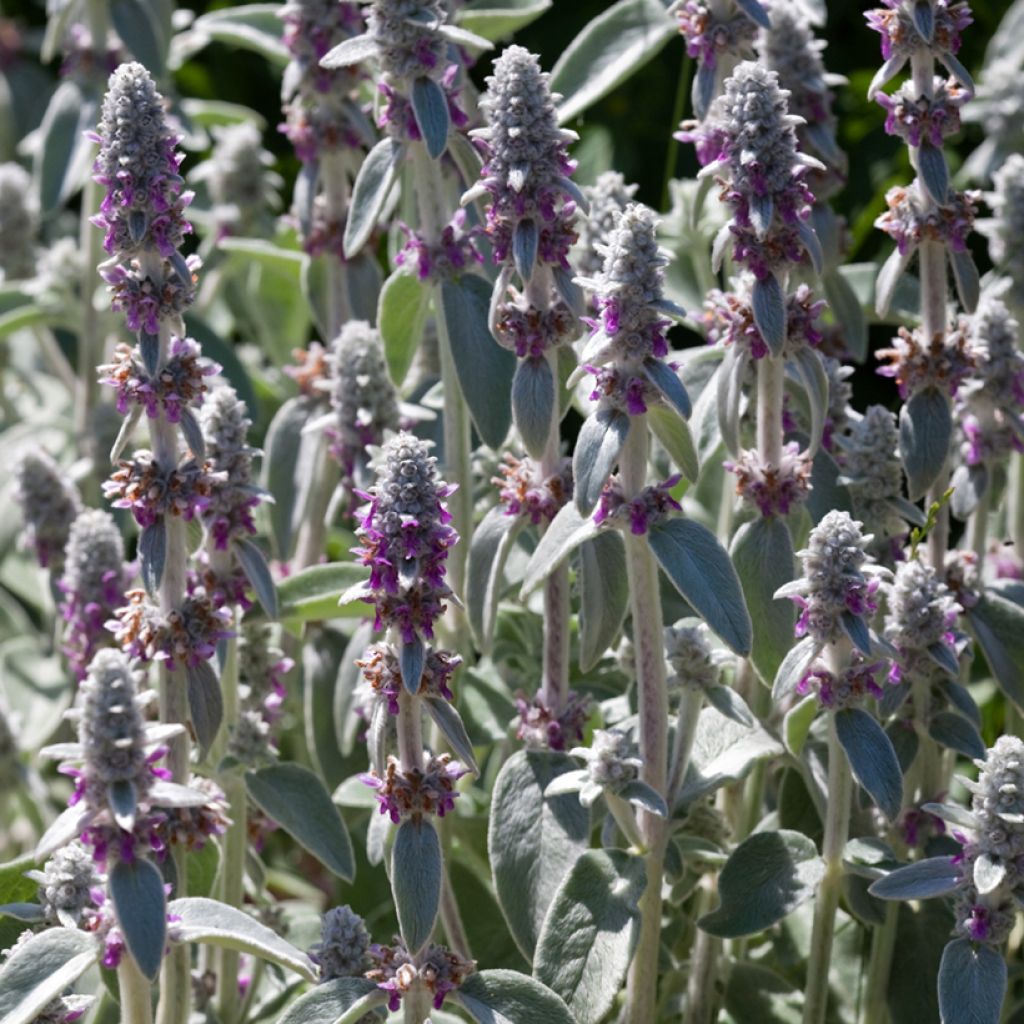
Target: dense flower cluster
(917, 119)
(613, 761)
(524, 491)
(147, 303)
(413, 792)
(152, 491)
(729, 319)
(530, 332)
(540, 728)
(406, 537)
(849, 689)
(444, 259)
(65, 885)
(436, 969)
(1007, 224)
(262, 671)
(916, 363)
(49, 502)
(608, 198)
(381, 669)
(19, 223)
(344, 946)
(775, 490)
(193, 826)
(651, 506)
(94, 582)
(692, 663)
(910, 219)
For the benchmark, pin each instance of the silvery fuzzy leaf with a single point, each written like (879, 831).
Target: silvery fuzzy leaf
(908, 511)
(351, 51)
(124, 434)
(430, 108)
(812, 245)
(121, 797)
(645, 797)
(304, 194)
(846, 309)
(570, 291)
(519, 175)
(945, 658)
(972, 983)
(412, 657)
(171, 794)
(598, 446)
(338, 1001)
(33, 913)
(448, 720)
(67, 826)
(377, 737)
(667, 381)
(500, 996)
(493, 539)
(604, 595)
(565, 532)
(889, 277)
(205, 703)
(957, 70)
(886, 73)
(699, 568)
(823, 140)
(463, 37)
(965, 274)
(567, 782)
(934, 172)
(376, 177)
(921, 880)
(138, 225)
(703, 91)
(525, 240)
(762, 210)
(193, 434)
(149, 351)
(926, 429)
(998, 626)
(729, 703)
(256, 570)
(872, 759)
(730, 396)
(769, 308)
(153, 555)
(857, 630)
(808, 366)
(674, 434)
(533, 404)
(892, 700)
(416, 870)
(722, 239)
(793, 667)
(956, 732)
(137, 892)
(700, 195)
(924, 19)
(755, 12)
(952, 814)
(989, 873)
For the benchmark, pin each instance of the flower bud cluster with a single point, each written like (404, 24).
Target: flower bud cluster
(147, 303)
(413, 792)
(190, 828)
(530, 332)
(651, 506)
(1007, 225)
(19, 223)
(525, 492)
(344, 946)
(838, 579)
(613, 761)
(177, 385)
(540, 728)
(691, 661)
(915, 363)
(436, 969)
(94, 583)
(153, 491)
(445, 259)
(262, 670)
(49, 502)
(363, 398)
(608, 198)
(774, 490)
(911, 218)
(65, 885)
(917, 119)
(729, 319)
(406, 537)
(849, 689)
(382, 671)
(920, 619)
(322, 109)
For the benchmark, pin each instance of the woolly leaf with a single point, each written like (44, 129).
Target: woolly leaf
(137, 892)
(430, 108)
(205, 703)
(972, 982)
(926, 429)
(872, 759)
(565, 532)
(604, 595)
(416, 880)
(153, 555)
(769, 308)
(401, 316)
(338, 1001)
(533, 404)
(448, 720)
(493, 539)
(376, 177)
(40, 969)
(920, 880)
(598, 446)
(507, 997)
(254, 565)
(674, 434)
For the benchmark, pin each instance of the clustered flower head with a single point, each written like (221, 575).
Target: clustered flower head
(910, 219)
(613, 761)
(436, 969)
(838, 580)
(176, 386)
(447, 258)
(94, 582)
(775, 490)
(608, 197)
(918, 119)
(651, 506)
(541, 728)
(262, 671)
(920, 623)
(228, 510)
(382, 671)
(153, 491)
(692, 663)
(530, 332)
(413, 792)
(850, 688)
(526, 170)
(525, 491)
(344, 946)
(406, 537)
(66, 883)
(1007, 224)
(145, 302)
(363, 399)
(986, 906)
(190, 828)
(49, 502)
(917, 363)
(19, 223)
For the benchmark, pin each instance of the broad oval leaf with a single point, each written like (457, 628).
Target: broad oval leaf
(872, 758)
(449, 721)
(932, 167)
(39, 970)
(492, 540)
(137, 892)
(998, 626)
(954, 731)
(793, 667)
(533, 404)
(296, 799)
(204, 920)
(338, 1001)
(430, 108)
(590, 932)
(604, 595)
(376, 177)
(499, 19)
(205, 703)
(768, 305)
(667, 381)
(565, 532)
(926, 428)
(608, 50)
(312, 595)
(765, 878)
(972, 983)
(254, 565)
(700, 570)
(484, 368)
(507, 997)
(674, 434)
(533, 842)
(416, 870)
(935, 876)
(401, 316)
(598, 446)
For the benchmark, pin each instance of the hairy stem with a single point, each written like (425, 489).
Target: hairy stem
(682, 741)
(135, 993)
(701, 994)
(770, 377)
(883, 943)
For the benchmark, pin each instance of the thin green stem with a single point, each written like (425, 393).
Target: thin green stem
(875, 1008)
(678, 108)
(701, 994)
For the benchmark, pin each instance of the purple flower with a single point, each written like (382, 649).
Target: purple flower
(436, 969)
(381, 669)
(648, 508)
(153, 491)
(448, 258)
(541, 729)
(525, 492)
(774, 490)
(413, 792)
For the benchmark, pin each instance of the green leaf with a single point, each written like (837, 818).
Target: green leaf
(339, 1001)
(762, 553)
(921, 880)
(297, 800)
(137, 892)
(755, 993)
(485, 369)
(564, 534)
(215, 923)
(21, 317)
(848, 313)
(492, 541)
(998, 626)
(507, 997)
(499, 19)
(254, 565)
(312, 594)
(259, 250)
(533, 843)
(766, 877)
(14, 886)
(288, 466)
(608, 50)
(972, 983)
(416, 870)
(604, 595)
(598, 446)
(202, 866)
(700, 570)
(255, 27)
(401, 315)
(377, 175)
(674, 434)
(40, 969)
(62, 154)
(872, 758)
(137, 24)
(590, 932)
